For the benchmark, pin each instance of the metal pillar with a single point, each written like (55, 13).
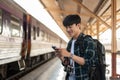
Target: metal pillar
(113, 46)
(97, 25)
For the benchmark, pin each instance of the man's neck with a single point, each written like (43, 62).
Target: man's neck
(77, 35)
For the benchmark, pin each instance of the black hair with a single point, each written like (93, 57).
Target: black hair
(71, 19)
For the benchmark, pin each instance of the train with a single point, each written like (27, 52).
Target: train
(24, 41)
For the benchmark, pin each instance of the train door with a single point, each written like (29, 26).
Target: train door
(29, 35)
(28, 59)
(26, 45)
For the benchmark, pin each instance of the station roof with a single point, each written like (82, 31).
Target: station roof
(93, 13)
(96, 15)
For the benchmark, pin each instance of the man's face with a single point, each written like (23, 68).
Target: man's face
(73, 30)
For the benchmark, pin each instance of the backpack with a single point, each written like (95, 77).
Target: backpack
(97, 72)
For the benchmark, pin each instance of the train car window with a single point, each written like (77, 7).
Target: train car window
(38, 31)
(42, 35)
(15, 26)
(0, 21)
(34, 33)
(46, 36)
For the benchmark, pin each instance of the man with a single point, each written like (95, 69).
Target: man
(79, 60)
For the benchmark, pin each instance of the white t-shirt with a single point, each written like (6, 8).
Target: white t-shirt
(72, 76)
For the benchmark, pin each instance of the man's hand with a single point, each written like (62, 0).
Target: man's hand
(63, 52)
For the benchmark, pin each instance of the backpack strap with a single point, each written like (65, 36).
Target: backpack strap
(81, 42)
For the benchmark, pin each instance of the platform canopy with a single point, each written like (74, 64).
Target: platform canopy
(94, 13)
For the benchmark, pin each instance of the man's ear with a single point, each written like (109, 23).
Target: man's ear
(79, 25)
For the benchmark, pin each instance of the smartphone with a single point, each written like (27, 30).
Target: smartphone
(54, 47)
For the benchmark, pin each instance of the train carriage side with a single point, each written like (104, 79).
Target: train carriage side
(42, 40)
(24, 41)
(10, 36)
(10, 33)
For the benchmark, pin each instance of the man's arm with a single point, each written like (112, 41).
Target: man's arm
(77, 59)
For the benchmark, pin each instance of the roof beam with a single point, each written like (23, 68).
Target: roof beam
(91, 13)
(66, 12)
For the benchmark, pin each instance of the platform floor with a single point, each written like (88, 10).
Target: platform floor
(53, 70)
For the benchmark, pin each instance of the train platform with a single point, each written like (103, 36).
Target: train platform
(53, 70)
